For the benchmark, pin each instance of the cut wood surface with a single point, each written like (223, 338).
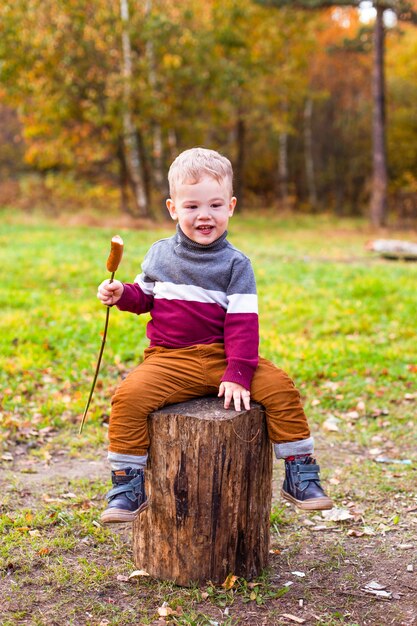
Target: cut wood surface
(209, 486)
(394, 249)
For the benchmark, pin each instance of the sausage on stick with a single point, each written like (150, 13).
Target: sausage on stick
(113, 262)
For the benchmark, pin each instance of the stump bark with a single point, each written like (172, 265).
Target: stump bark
(209, 484)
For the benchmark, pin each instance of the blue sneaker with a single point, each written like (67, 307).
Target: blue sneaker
(302, 484)
(127, 498)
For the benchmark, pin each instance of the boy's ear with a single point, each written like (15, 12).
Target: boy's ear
(171, 208)
(232, 205)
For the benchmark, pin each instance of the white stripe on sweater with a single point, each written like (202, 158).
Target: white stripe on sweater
(147, 288)
(189, 293)
(236, 303)
(243, 303)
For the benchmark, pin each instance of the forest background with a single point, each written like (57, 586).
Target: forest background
(97, 99)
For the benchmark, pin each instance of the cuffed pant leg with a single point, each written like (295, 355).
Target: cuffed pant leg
(286, 420)
(293, 448)
(120, 461)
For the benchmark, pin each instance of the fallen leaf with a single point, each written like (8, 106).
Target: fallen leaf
(137, 573)
(337, 514)
(331, 424)
(50, 499)
(379, 594)
(293, 618)
(375, 451)
(373, 584)
(229, 582)
(164, 611)
(352, 415)
(366, 532)
(383, 528)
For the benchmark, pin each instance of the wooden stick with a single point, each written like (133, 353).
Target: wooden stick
(116, 253)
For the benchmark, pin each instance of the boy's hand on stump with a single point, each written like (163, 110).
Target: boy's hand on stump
(110, 293)
(235, 392)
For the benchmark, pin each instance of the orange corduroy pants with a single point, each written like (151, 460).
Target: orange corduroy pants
(167, 376)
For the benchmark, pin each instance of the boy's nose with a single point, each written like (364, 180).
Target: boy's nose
(204, 212)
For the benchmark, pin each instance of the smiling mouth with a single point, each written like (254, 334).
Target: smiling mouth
(205, 228)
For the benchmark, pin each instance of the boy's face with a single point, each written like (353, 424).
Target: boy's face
(202, 209)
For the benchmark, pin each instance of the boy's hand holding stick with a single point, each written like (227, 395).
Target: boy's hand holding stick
(113, 261)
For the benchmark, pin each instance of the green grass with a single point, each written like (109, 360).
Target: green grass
(328, 311)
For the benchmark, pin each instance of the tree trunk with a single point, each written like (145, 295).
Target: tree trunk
(378, 207)
(123, 179)
(308, 154)
(240, 160)
(209, 488)
(283, 170)
(172, 143)
(131, 148)
(157, 144)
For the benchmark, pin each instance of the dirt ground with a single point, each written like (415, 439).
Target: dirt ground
(359, 570)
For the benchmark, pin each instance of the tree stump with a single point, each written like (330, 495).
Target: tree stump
(209, 484)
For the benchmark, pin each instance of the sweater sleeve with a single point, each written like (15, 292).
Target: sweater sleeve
(241, 329)
(138, 296)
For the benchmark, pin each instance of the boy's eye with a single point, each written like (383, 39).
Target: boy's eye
(216, 205)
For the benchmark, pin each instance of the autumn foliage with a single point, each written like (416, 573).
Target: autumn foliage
(89, 93)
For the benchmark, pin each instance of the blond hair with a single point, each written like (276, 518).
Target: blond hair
(191, 165)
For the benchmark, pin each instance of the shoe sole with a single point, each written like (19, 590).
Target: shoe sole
(115, 516)
(314, 504)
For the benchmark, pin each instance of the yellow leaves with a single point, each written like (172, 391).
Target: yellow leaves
(171, 61)
(229, 582)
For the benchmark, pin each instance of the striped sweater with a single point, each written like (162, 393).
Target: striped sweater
(199, 294)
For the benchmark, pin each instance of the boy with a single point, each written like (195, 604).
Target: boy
(201, 294)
